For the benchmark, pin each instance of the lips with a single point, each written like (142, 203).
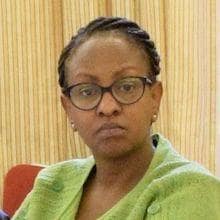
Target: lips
(111, 129)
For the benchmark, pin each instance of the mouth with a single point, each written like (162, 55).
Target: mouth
(110, 130)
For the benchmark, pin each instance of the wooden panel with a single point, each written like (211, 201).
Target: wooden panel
(33, 126)
(31, 120)
(191, 77)
(218, 88)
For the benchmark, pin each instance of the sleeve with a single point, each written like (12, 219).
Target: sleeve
(197, 201)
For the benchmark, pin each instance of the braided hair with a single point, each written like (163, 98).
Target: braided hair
(108, 24)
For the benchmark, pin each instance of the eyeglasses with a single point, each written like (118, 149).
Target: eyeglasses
(86, 96)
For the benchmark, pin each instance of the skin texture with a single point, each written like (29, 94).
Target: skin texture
(122, 155)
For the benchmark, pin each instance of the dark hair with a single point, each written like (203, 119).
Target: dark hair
(107, 24)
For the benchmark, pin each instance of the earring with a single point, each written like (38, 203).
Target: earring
(73, 126)
(154, 117)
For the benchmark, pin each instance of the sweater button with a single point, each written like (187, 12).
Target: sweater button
(154, 208)
(57, 186)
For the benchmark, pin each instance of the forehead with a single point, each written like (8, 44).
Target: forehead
(105, 58)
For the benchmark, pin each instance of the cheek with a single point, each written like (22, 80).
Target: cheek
(84, 122)
(142, 110)
(139, 120)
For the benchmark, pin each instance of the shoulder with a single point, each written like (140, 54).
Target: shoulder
(184, 187)
(174, 170)
(69, 166)
(168, 162)
(65, 170)
(188, 177)
(54, 188)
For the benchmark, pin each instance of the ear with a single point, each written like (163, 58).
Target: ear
(67, 106)
(157, 92)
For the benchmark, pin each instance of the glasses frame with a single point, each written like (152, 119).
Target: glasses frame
(145, 80)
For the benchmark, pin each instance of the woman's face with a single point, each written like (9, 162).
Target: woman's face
(111, 129)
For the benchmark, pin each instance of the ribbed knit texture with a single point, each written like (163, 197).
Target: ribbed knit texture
(173, 188)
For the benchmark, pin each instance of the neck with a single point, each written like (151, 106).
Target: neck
(123, 171)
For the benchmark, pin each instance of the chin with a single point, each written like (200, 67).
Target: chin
(112, 149)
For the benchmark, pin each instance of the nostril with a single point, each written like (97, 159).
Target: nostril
(108, 114)
(108, 106)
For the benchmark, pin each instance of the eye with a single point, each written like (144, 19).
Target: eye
(88, 91)
(127, 87)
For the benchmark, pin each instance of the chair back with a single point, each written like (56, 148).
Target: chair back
(17, 184)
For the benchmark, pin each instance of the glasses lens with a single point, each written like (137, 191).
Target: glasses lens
(85, 96)
(128, 90)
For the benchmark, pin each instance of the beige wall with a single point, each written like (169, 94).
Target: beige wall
(34, 128)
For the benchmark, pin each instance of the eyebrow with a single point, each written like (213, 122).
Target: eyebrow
(91, 77)
(122, 71)
(117, 74)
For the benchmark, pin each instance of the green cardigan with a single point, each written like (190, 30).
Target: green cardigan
(173, 188)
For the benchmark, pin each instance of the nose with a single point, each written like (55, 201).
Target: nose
(108, 106)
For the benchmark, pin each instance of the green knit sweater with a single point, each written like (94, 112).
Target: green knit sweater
(173, 188)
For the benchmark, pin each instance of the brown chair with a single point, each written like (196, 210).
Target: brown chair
(17, 184)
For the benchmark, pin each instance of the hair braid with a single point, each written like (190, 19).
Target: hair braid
(105, 24)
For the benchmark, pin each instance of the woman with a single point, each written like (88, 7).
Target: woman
(111, 95)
